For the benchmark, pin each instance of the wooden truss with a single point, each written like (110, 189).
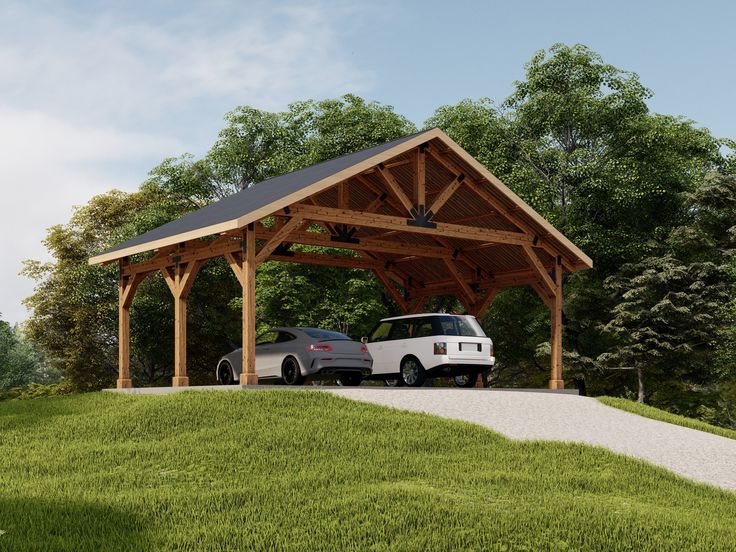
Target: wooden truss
(370, 238)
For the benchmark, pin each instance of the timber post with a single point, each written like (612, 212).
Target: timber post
(127, 285)
(248, 270)
(124, 379)
(556, 381)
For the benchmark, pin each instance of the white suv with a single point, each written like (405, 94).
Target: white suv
(412, 348)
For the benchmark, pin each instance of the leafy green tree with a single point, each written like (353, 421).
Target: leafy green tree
(21, 364)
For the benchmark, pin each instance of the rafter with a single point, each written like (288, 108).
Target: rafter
(446, 194)
(394, 187)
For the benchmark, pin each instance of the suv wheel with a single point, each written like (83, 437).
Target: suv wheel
(465, 380)
(412, 372)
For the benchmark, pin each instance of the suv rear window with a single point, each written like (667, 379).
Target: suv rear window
(464, 326)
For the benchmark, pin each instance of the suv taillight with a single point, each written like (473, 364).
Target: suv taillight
(319, 348)
(363, 349)
(440, 348)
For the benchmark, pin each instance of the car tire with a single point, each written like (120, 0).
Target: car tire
(225, 373)
(349, 380)
(393, 382)
(412, 372)
(465, 380)
(290, 372)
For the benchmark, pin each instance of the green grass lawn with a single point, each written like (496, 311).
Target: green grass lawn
(664, 416)
(293, 470)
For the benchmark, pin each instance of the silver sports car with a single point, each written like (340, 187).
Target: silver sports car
(293, 355)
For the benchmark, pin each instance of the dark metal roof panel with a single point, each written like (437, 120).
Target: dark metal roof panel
(257, 196)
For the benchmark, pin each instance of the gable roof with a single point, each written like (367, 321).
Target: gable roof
(270, 196)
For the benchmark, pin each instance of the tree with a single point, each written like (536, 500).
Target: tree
(671, 304)
(20, 361)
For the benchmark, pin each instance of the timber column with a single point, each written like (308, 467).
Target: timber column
(556, 381)
(248, 270)
(180, 279)
(127, 284)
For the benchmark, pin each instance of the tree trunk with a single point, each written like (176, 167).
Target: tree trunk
(640, 375)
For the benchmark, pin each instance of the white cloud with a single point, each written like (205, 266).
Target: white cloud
(49, 165)
(90, 100)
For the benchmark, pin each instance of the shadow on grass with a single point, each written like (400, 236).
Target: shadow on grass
(40, 524)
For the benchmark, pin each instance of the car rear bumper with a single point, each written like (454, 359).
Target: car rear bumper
(330, 367)
(454, 369)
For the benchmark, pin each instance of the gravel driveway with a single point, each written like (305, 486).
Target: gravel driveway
(527, 415)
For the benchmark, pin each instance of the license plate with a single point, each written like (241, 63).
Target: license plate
(471, 347)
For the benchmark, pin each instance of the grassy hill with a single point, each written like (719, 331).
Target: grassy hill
(309, 471)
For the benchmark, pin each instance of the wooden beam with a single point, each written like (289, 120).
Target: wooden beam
(236, 264)
(538, 267)
(420, 177)
(392, 291)
(342, 261)
(357, 218)
(543, 294)
(556, 381)
(445, 195)
(480, 308)
(395, 187)
(248, 375)
(127, 287)
(465, 289)
(343, 199)
(277, 238)
(417, 305)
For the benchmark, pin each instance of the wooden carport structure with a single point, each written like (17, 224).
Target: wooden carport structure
(420, 212)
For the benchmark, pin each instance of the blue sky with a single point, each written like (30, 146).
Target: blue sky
(93, 95)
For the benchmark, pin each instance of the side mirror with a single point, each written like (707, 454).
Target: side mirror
(364, 340)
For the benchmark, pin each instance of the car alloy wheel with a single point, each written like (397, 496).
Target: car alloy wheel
(412, 372)
(290, 372)
(225, 374)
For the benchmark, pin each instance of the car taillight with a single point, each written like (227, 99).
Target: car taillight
(319, 348)
(440, 348)
(363, 349)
